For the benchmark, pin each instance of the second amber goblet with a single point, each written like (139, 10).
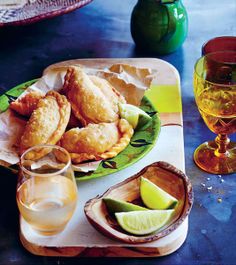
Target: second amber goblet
(215, 95)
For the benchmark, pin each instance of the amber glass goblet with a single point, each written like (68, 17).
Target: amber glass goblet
(215, 95)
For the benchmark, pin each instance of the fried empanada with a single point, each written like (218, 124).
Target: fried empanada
(97, 141)
(47, 123)
(93, 100)
(26, 104)
(112, 95)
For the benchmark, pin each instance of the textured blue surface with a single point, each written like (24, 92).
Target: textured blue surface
(101, 29)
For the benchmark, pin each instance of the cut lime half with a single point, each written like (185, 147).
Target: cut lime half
(115, 206)
(154, 197)
(134, 115)
(143, 222)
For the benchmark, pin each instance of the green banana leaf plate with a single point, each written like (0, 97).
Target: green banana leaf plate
(141, 143)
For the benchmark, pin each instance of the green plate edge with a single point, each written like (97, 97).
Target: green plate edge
(141, 143)
(13, 93)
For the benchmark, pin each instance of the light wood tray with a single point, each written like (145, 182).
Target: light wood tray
(80, 238)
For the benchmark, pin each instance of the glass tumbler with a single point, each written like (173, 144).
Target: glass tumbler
(46, 189)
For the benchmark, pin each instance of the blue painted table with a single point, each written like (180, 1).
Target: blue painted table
(102, 29)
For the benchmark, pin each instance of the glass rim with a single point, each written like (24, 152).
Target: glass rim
(218, 38)
(207, 55)
(45, 174)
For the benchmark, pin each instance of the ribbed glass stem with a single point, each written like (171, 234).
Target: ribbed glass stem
(222, 142)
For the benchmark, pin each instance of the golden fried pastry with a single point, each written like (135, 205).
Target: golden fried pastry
(27, 103)
(126, 132)
(93, 100)
(47, 123)
(97, 141)
(112, 95)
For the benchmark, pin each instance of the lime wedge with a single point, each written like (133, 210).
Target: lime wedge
(154, 197)
(143, 222)
(115, 206)
(134, 115)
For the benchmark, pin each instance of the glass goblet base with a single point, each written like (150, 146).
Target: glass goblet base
(206, 158)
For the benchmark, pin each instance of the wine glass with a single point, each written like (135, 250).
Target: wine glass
(46, 189)
(222, 43)
(215, 95)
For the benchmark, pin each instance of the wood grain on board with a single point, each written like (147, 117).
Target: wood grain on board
(72, 241)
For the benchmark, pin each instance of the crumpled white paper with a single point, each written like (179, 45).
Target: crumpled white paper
(11, 129)
(86, 167)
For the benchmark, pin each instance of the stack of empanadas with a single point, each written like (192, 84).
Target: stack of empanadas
(83, 117)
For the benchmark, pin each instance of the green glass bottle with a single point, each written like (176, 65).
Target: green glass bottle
(159, 26)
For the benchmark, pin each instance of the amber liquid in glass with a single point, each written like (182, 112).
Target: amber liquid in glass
(47, 203)
(215, 95)
(218, 109)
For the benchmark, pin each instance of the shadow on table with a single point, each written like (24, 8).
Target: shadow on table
(175, 58)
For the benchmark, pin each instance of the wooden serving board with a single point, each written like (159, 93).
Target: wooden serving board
(79, 238)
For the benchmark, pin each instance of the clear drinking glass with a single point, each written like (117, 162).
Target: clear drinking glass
(46, 190)
(215, 95)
